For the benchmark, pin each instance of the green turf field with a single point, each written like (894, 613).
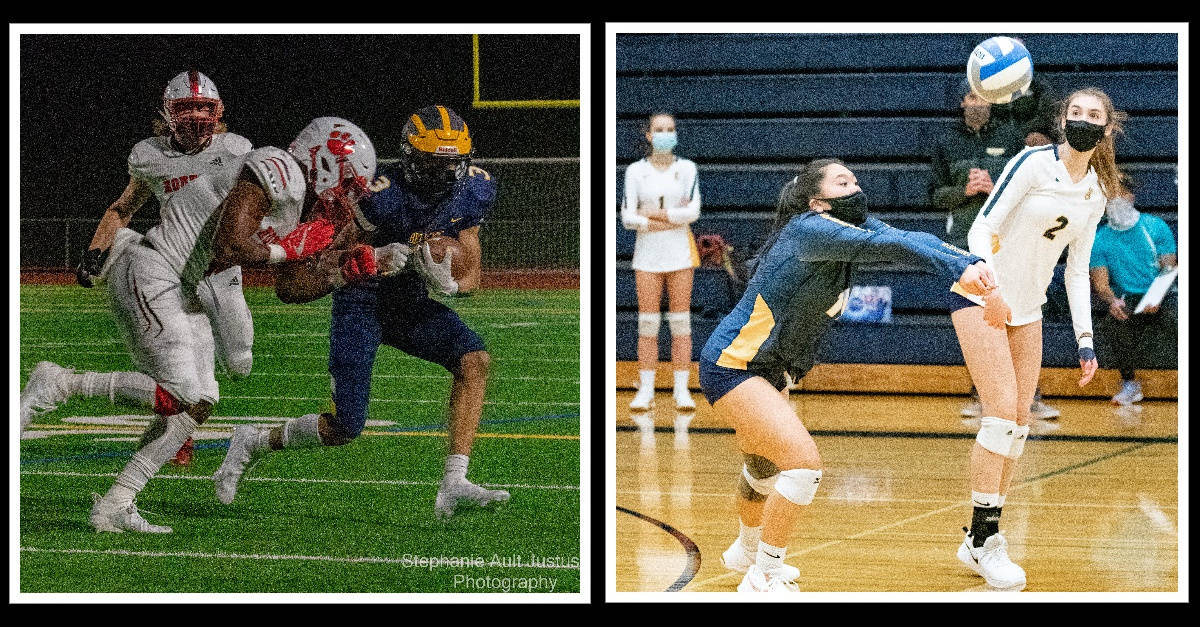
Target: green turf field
(357, 518)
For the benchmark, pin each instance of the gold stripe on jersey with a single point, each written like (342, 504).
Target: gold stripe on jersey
(995, 243)
(841, 222)
(694, 251)
(745, 346)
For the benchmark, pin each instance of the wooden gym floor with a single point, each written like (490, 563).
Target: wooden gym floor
(1093, 506)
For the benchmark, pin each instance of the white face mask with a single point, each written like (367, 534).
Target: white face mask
(1121, 214)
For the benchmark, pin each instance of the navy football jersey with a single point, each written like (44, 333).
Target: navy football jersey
(394, 213)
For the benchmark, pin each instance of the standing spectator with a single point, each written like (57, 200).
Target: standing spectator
(662, 197)
(1129, 252)
(965, 163)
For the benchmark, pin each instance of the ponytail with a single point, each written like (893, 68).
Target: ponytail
(793, 200)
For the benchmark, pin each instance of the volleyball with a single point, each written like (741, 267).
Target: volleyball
(1000, 70)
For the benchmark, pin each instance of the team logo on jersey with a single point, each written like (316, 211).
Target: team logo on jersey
(1088, 195)
(177, 183)
(216, 162)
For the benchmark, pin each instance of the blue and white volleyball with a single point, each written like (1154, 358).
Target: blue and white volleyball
(1000, 70)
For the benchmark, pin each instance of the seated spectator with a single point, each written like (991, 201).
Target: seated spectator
(1035, 113)
(1129, 252)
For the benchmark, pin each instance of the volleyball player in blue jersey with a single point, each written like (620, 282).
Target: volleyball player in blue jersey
(800, 285)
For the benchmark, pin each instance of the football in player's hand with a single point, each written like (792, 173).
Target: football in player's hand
(440, 245)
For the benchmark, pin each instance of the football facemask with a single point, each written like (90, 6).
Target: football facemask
(192, 108)
(437, 149)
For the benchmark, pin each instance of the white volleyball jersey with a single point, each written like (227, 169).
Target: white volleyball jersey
(189, 220)
(1033, 212)
(166, 170)
(669, 250)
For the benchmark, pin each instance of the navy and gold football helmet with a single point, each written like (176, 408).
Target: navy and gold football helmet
(436, 151)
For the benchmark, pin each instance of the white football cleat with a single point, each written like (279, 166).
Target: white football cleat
(758, 581)
(738, 559)
(683, 399)
(241, 452)
(110, 516)
(992, 563)
(44, 391)
(449, 497)
(643, 400)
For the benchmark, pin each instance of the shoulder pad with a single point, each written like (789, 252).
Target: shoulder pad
(278, 173)
(236, 144)
(143, 154)
(483, 189)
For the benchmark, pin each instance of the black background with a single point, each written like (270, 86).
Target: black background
(85, 100)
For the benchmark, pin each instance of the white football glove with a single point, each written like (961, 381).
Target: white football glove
(392, 258)
(437, 275)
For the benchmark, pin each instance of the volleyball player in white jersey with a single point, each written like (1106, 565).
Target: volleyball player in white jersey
(1048, 198)
(189, 140)
(245, 212)
(662, 197)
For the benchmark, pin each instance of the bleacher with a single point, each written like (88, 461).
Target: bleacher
(752, 107)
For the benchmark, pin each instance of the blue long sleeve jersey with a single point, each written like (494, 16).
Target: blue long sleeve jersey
(802, 283)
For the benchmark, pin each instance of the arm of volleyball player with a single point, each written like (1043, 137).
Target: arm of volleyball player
(833, 240)
(629, 207)
(1007, 194)
(116, 217)
(688, 210)
(1079, 295)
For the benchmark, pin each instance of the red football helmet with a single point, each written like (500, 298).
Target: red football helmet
(192, 107)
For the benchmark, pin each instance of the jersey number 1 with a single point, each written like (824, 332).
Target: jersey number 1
(1062, 224)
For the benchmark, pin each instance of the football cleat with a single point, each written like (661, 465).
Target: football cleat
(43, 392)
(108, 515)
(450, 496)
(241, 453)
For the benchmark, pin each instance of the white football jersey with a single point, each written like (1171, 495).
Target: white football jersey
(673, 249)
(1033, 212)
(185, 237)
(166, 170)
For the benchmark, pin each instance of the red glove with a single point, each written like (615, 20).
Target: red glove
(359, 264)
(305, 240)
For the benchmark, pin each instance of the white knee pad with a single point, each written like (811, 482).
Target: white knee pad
(798, 485)
(762, 486)
(680, 323)
(998, 435)
(648, 324)
(1020, 434)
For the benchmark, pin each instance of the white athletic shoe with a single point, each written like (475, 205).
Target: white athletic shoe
(107, 515)
(643, 400)
(683, 399)
(241, 452)
(1131, 392)
(44, 391)
(758, 581)
(1042, 411)
(736, 558)
(450, 496)
(992, 563)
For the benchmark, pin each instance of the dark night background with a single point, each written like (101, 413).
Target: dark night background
(87, 99)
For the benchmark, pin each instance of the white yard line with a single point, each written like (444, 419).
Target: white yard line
(519, 486)
(414, 561)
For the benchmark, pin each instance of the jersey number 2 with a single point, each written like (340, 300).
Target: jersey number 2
(1062, 224)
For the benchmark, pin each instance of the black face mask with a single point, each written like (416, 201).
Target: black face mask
(852, 208)
(1083, 136)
